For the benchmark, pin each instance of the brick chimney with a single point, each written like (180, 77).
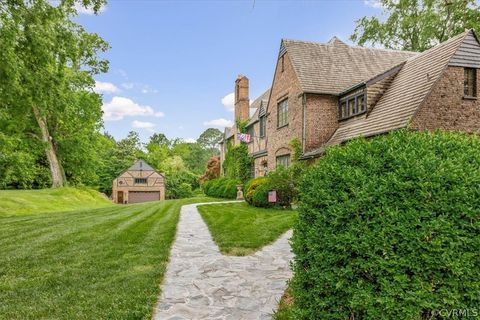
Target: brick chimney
(242, 101)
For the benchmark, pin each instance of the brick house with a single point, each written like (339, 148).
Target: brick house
(139, 183)
(327, 94)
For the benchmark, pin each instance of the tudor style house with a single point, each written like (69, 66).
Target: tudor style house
(139, 183)
(324, 94)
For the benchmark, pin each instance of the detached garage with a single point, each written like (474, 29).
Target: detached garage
(140, 183)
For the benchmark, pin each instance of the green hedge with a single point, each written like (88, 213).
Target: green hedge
(221, 188)
(389, 228)
(282, 180)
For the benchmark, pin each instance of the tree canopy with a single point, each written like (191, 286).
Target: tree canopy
(417, 25)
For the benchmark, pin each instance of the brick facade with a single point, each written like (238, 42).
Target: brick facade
(285, 86)
(446, 107)
(321, 120)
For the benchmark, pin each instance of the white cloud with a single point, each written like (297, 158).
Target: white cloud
(159, 114)
(218, 123)
(190, 140)
(229, 101)
(373, 3)
(127, 85)
(120, 107)
(89, 10)
(143, 125)
(105, 87)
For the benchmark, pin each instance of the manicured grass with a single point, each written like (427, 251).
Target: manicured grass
(240, 229)
(103, 263)
(285, 307)
(25, 202)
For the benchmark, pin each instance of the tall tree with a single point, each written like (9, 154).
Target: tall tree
(210, 139)
(46, 62)
(417, 25)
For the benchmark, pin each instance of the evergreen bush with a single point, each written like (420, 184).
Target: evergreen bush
(389, 229)
(221, 188)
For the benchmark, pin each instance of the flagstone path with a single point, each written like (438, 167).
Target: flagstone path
(201, 283)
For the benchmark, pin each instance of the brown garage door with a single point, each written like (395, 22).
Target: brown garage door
(143, 196)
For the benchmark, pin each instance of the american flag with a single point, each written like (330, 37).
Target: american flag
(245, 137)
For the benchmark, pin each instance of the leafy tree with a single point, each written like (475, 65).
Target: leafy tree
(210, 139)
(417, 25)
(46, 66)
(159, 139)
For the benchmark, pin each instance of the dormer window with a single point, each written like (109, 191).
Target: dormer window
(140, 180)
(470, 82)
(352, 105)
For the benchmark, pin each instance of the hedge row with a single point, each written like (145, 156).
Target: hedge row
(282, 180)
(389, 229)
(221, 188)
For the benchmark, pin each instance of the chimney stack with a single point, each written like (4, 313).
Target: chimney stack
(242, 101)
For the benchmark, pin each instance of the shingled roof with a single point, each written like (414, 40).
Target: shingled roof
(260, 105)
(405, 95)
(140, 165)
(330, 68)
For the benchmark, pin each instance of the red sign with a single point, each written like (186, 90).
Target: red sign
(272, 196)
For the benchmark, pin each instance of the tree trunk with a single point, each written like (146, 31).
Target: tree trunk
(55, 167)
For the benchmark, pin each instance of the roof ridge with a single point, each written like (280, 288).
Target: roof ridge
(440, 45)
(330, 43)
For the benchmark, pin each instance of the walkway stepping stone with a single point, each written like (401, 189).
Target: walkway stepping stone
(201, 283)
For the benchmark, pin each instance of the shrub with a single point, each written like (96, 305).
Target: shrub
(260, 196)
(221, 188)
(389, 229)
(283, 181)
(184, 191)
(174, 182)
(238, 163)
(250, 187)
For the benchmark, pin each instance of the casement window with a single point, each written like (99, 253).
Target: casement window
(352, 106)
(470, 82)
(262, 126)
(140, 180)
(283, 161)
(251, 132)
(282, 113)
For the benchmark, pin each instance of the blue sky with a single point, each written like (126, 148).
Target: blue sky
(174, 63)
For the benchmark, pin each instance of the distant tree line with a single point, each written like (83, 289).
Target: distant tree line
(50, 117)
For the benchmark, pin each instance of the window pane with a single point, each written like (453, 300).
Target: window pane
(361, 103)
(351, 107)
(283, 161)
(470, 82)
(282, 113)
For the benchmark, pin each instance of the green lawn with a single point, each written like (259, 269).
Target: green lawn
(89, 264)
(26, 202)
(240, 229)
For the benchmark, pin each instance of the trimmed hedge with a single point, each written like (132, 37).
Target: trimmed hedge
(250, 187)
(389, 228)
(221, 188)
(283, 180)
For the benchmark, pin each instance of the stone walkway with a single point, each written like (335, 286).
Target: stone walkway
(201, 283)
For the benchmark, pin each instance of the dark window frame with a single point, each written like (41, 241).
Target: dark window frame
(263, 126)
(470, 88)
(140, 180)
(282, 116)
(344, 110)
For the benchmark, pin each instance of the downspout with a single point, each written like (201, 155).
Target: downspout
(304, 103)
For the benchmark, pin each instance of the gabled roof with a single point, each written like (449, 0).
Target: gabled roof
(330, 68)
(140, 165)
(260, 104)
(407, 92)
